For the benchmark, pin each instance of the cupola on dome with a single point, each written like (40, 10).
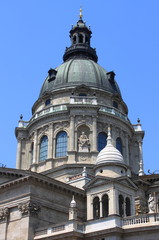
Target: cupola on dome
(109, 153)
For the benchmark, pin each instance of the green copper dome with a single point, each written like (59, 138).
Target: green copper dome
(76, 72)
(80, 66)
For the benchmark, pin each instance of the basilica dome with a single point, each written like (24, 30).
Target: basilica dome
(80, 66)
(77, 71)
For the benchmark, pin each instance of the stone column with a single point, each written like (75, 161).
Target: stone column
(18, 157)
(35, 147)
(141, 170)
(94, 140)
(101, 207)
(50, 146)
(127, 149)
(113, 203)
(72, 134)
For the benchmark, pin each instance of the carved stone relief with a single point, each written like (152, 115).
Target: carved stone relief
(43, 130)
(102, 127)
(83, 120)
(4, 213)
(61, 125)
(29, 208)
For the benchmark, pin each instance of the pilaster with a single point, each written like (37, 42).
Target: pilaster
(50, 142)
(35, 148)
(18, 157)
(94, 140)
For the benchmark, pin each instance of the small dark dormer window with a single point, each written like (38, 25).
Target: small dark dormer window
(47, 102)
(82, 94)
(115, 104)
(52, 74)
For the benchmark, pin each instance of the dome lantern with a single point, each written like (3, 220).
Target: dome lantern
(80, 36)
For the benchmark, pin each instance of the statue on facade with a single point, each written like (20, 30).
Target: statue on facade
(83, 143)
(151, 204)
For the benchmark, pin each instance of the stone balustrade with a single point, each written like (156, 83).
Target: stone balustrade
(100, 224)
(75, 100)
(83, 100)
(136, 220)
(114, 111)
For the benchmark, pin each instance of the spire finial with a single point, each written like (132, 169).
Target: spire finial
(73, 202)
(80, 15)
(109, 139)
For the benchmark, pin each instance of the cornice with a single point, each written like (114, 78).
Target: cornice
(30, 177)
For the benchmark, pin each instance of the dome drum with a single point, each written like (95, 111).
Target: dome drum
(112, 170)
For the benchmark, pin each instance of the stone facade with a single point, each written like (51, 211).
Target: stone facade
(80, 171)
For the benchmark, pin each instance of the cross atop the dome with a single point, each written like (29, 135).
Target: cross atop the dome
(80, 15)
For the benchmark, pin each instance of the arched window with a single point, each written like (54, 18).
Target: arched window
(47, 102)
(80, 38)
(115, 104)
(61, 144)
(96, 208)
(43, 148)
(119, 145)
(128, 206)
(105, 206)
(102, 140)
(121, 206)
(74, 39)
(31, 152)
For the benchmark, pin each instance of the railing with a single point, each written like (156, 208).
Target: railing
(83, 100)
(114, 112)
(50, 230)
(136, 220)
(51, 109)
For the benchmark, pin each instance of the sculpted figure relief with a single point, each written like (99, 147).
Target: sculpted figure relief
(83, 142)
(151, 204)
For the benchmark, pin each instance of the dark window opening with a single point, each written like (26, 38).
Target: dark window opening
(119, 145)
(47, 102)
(82, 94)
(74, 39)
(80, 38)
(128, 207)
(102, 140)
(32, 152)
(96, 208)
(105, 206)
(121, 206)
(115, 104)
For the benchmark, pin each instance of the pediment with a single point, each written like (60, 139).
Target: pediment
(98, 181)
(127, 182)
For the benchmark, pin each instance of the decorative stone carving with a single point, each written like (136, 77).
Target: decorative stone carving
(83, 143)
(62, 125)
(4, 213)
(43, 130)
(151, 204)
(83, 157)
(29, 208)
(102, 127)
(83, 120)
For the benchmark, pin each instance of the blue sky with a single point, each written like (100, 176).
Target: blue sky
(34, 34)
